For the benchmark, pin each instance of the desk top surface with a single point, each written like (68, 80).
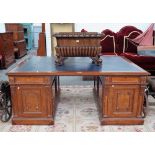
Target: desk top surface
(111, 65)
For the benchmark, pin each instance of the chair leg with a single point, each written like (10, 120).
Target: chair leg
(146, 102)
(58, 78)
(94, 81)
(97, 83)
(56, 85)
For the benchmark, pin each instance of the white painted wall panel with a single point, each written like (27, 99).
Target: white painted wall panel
(36, 31)
(48, 39)
(2, 27)
(98, 27)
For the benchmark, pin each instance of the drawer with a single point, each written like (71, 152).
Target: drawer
(125, 79)
(30, 80)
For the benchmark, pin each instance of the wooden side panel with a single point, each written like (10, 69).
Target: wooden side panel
(21, 46)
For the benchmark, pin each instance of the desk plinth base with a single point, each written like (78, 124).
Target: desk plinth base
(32, 121)
(122, 121)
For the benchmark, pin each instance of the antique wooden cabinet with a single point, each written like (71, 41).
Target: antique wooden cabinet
(28, 35)
(33, 98)
(121, 99)
(21, 48)
(6, 49)
(60, 27)
(78, 44)
(18, 37)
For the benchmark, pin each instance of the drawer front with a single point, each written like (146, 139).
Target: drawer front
(78, 41)
(30, 80)
(125, 79)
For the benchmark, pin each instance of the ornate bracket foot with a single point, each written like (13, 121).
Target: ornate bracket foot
(59, 60)
(96, 60)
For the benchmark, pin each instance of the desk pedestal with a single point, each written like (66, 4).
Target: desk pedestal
(121, 99)
(33, 99)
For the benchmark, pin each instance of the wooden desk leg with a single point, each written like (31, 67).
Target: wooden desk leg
(94, 81)
(56, 89)
(58, 82)
(98, 83)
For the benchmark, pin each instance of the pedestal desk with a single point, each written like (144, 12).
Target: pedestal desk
(118, 88)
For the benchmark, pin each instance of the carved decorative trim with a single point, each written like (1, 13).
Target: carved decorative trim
(113, 42)
(125, 37)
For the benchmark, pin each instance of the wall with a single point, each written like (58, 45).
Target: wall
(98, 27)
(2, 27)
(36, 31)
(48, 39)
(60, 27)
(92, 27)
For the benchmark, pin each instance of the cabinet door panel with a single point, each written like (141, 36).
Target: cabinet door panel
(32, 101)
(123, 101)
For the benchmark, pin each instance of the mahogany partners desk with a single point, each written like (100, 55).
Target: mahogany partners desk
(119, 89)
